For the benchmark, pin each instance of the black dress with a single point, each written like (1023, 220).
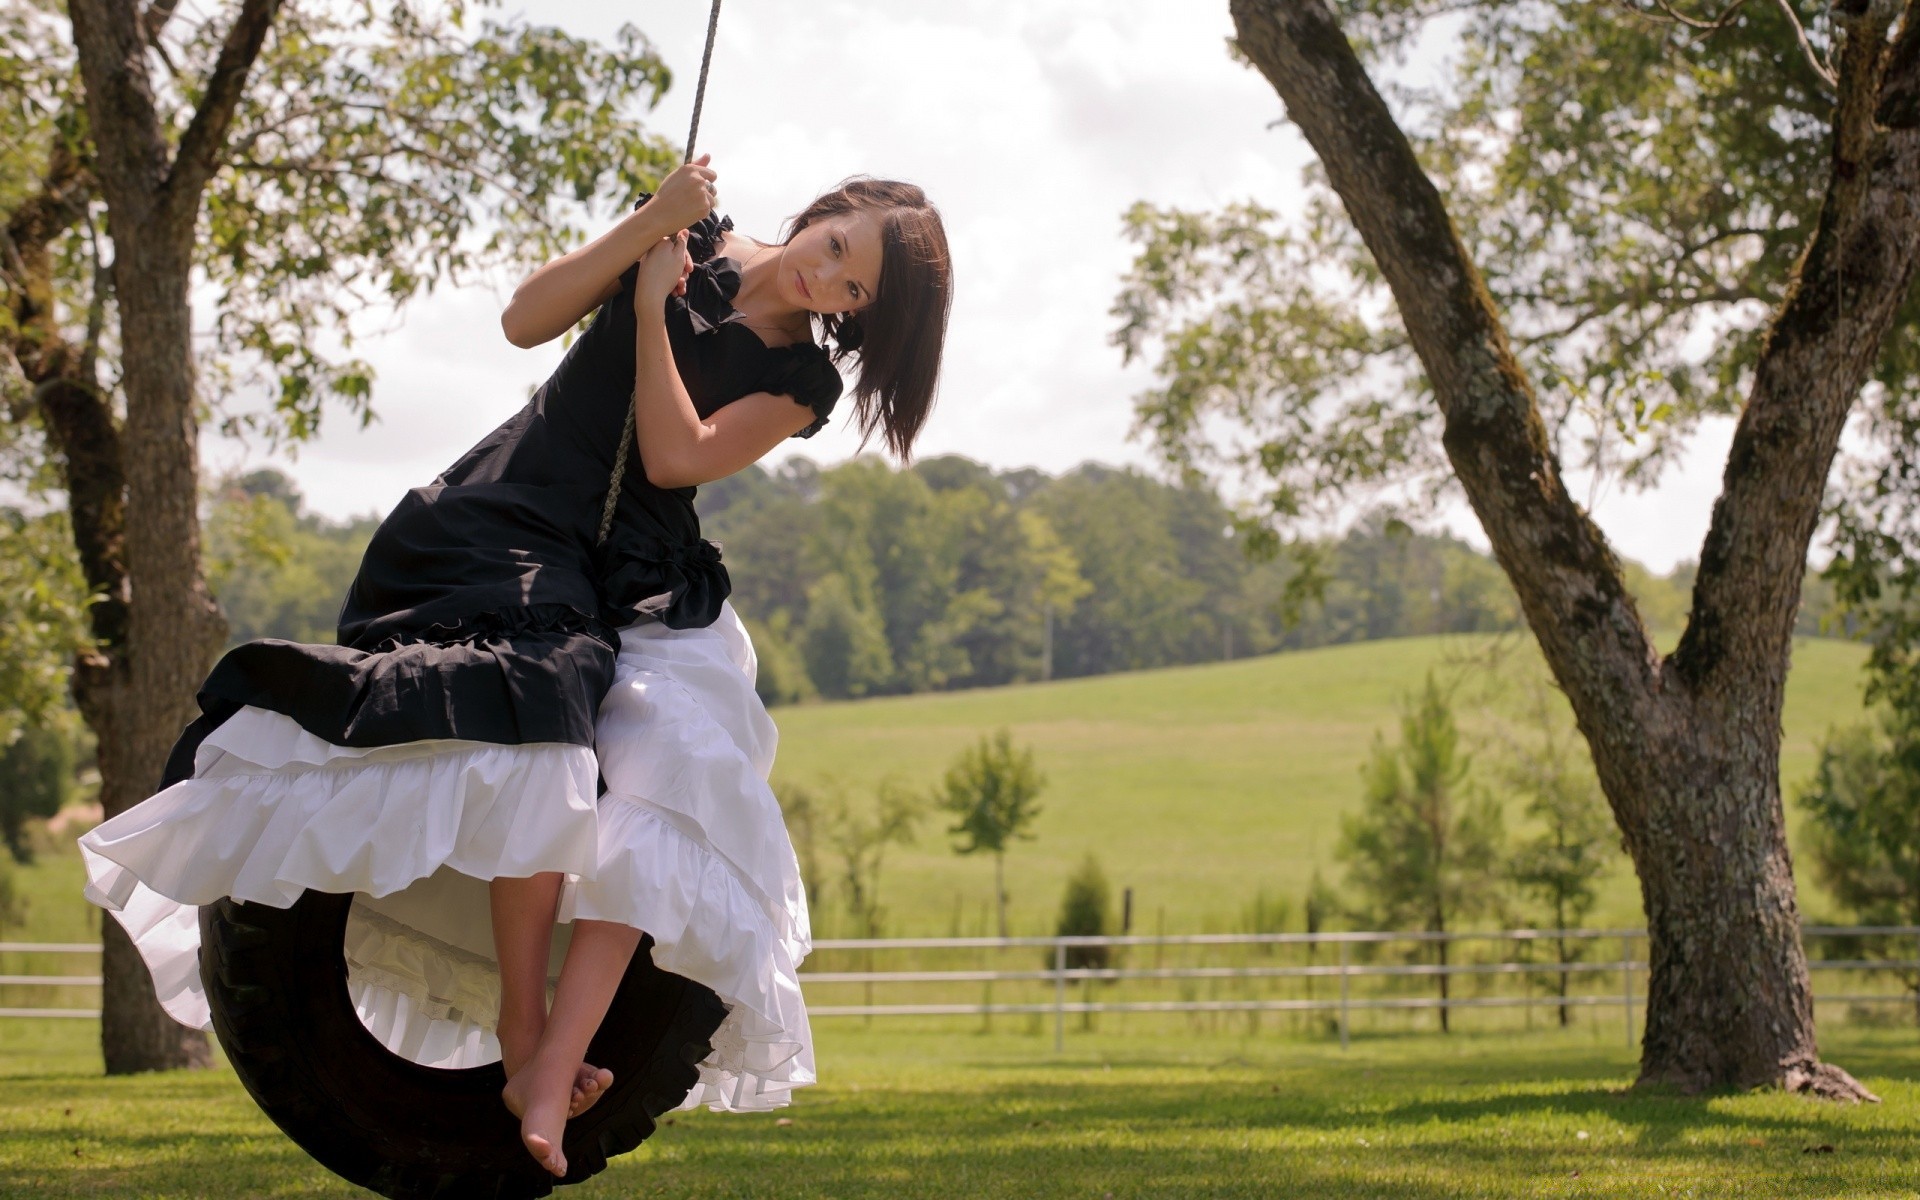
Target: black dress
(483, 608)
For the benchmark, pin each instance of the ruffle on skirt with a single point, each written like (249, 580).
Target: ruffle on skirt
(687, 843)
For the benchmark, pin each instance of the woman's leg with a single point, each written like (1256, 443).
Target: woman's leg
(523, 912)
(596, 961)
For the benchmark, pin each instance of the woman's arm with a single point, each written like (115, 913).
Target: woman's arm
(554, 298)
(677, 448)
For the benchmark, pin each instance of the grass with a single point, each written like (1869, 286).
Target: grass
(928, 1113)
(1197, 786)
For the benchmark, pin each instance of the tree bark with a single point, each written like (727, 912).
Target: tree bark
(1687, 750)
(140, 697)
(136, 1034)
(1000, 889)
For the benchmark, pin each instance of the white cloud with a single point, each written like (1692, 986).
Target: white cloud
(1032, 124)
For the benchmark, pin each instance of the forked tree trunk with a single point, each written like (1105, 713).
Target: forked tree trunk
(140, 692)
(1687, 749)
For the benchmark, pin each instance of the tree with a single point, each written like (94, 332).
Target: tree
(1863, 832)
(1086, 910)
(842, 644)
(992, 790)
(277, 571)
(309, 166)
(1422, 852)
(36, 780)
(1560, 866)
(43, 624)
(1546, 297)
(860, 840)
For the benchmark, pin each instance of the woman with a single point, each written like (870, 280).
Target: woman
(519, 635)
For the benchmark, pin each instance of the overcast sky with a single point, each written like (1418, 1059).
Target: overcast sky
(1033, 124)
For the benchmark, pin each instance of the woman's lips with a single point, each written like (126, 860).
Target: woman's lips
(802, 285)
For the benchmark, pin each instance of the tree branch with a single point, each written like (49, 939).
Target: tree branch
(130, 150)
(1899, 106)
(78, 419)
(1845, 292)
(205, 139)
(1820, 67)
(1568, 579)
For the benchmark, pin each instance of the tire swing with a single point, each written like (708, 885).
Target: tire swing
(287, 1024)
(276, 981)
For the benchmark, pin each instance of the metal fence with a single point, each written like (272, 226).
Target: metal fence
(1588, 969)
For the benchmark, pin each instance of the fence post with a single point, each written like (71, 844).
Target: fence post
(1059, 996)
(1343, 993)
(1626, 975)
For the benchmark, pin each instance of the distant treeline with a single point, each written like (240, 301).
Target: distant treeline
(864, 580)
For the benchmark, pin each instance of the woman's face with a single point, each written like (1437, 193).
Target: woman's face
(833, 265)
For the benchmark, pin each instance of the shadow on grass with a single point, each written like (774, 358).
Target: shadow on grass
(1237, 1126)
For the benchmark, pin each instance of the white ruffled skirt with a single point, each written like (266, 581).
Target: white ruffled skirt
(687, 844)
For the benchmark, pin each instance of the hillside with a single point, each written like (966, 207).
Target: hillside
(1195, 786)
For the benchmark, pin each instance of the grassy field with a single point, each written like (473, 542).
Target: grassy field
(904, 1114)
(1197, 786)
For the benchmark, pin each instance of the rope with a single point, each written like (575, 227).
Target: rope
(626, 433)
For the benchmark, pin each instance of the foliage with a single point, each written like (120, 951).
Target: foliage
(279, 572)
(1624, 183)
(377, 152)
(842, 643)
(42, 618)
(1086, 910)
(800, 810)
(1545, 763)
(993, 791)
(858, 838)
(1423, 851)
(1863, 832)
(781, 675)
(36, 780)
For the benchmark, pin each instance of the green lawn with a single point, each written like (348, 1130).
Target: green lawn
(929, 1114)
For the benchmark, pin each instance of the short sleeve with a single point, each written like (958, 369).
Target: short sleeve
(807, 375)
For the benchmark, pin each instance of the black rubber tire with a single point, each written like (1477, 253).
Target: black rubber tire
(276, 979)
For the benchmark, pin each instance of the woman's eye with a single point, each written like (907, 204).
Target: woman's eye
(853, 289)
(835, 243)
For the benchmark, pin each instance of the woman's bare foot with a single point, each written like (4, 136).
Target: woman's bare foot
(519, 1037)
(589, 1084)
(539, 1095)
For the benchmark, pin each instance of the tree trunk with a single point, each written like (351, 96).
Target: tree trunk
(1729, 1000)
(1560, 923)
(1445, 979)
(139, 697)
(1687, 750)
(1000, 890)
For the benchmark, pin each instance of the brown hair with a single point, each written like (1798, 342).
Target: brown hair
(897, 338)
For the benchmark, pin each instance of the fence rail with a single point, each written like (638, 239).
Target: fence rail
(1344, 970)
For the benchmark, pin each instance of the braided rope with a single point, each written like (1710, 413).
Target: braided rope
(633, 408)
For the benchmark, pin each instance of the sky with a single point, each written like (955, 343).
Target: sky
(1032, 124)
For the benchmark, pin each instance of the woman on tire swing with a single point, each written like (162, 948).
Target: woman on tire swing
(539, 681)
